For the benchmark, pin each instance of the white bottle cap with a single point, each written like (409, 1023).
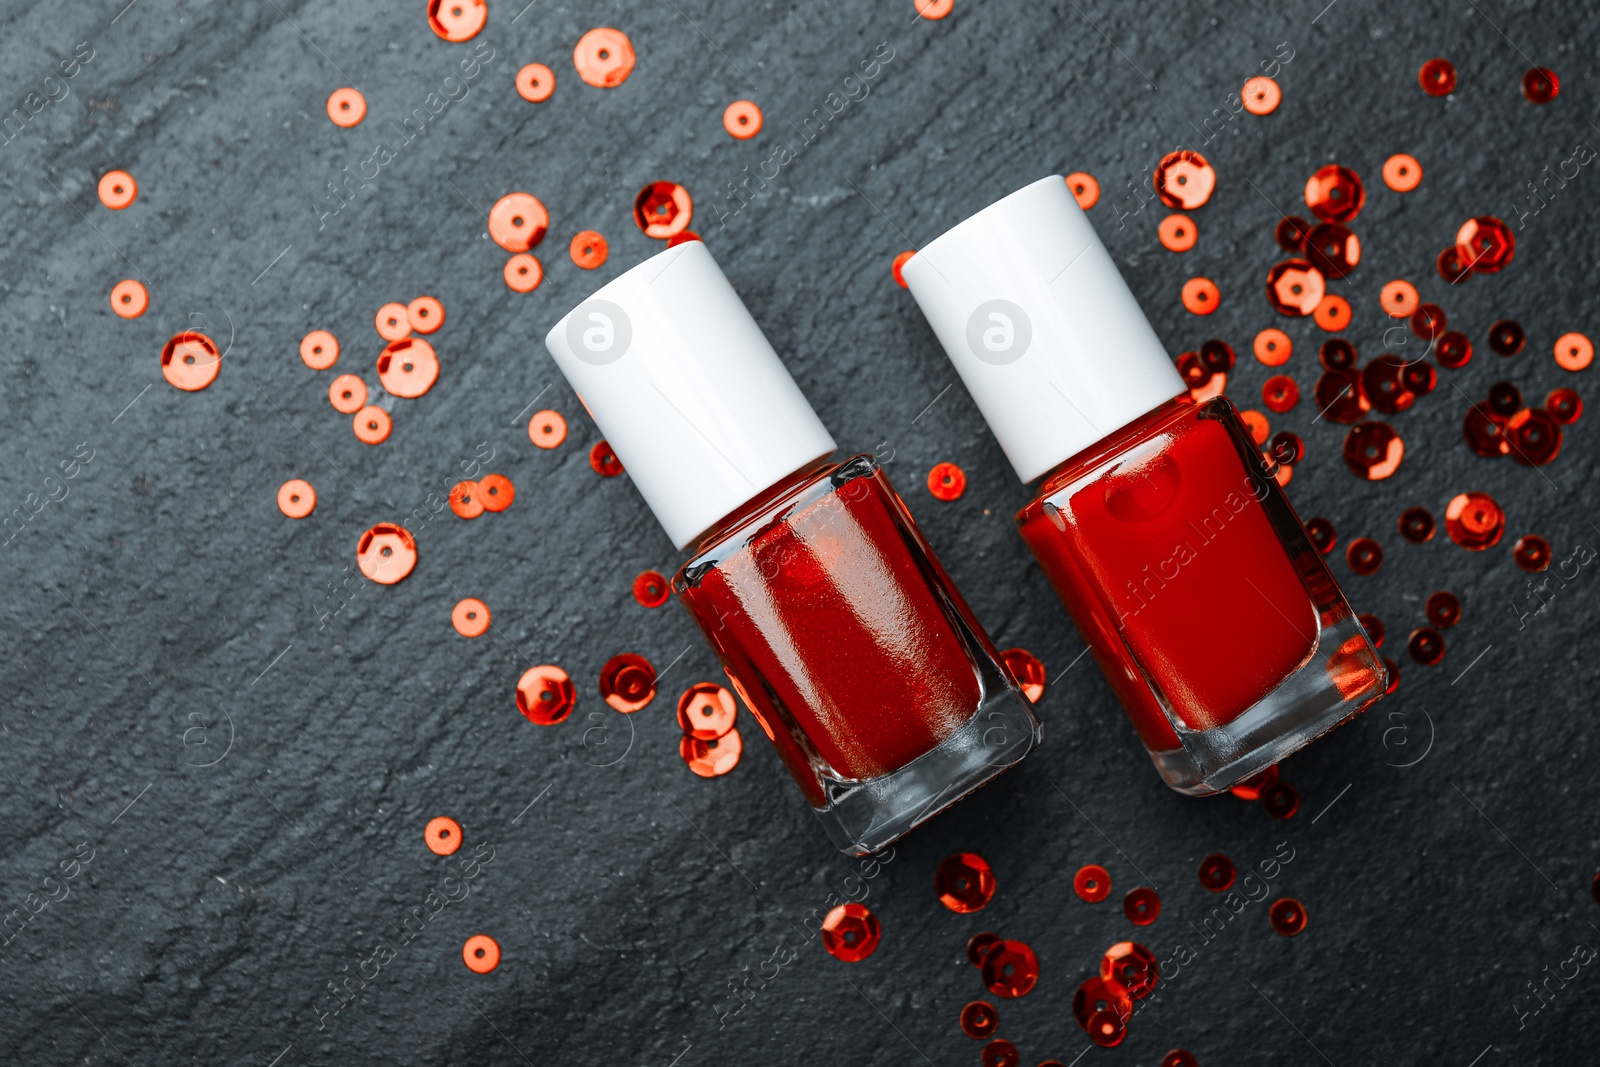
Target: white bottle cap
(691, 397)
(1041, 326)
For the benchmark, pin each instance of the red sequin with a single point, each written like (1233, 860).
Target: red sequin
(1280, 800)
(651, 589)
(1141, 906)
(1364, 555)
(1426, 645)
(628, 682)
(1295, 287)
(1280, 393)
(1132, 966)
(604, 461)
(1417, 525)
(1540, 85)
(1437, 77)
(979, 1020)
(1474, 521)
(1287, 915)
(1532, 553)
(964, 882)
(1217, 872)
(1533, 437)
(1010, 969)
(1443, 609)
(1092, 883)
(1027, 671)
(850, 932)
(1335, 194)
(1485, 244)
(1372, 450)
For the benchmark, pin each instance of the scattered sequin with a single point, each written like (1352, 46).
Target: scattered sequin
(604, 58)
(1335, 193)
(442, 836)
(1290, 233)
(1426, 645)
(1506, 337)
(1184, 180)
(1132, 966)
(1452, 268)
(1364, 555)
(1217, 872)
(535, 83)
(1260, 429)
(545, 694)
(1532, 553)
(682, 238)
(1340, 396)
(296, 498)
(1428, 321)
(1486, 244)
(481, 953)
(518, 222)
(978, 946)
(1272, 347)
(662, 209)
(935, 9)
(1287, 448)
(1280, 800)
(713, 758)
(1287, 915)
(1201, 296)
(1177, 233)
(1392, 672)
(1107, 1029)
(1573, 351)
(979, 1020)
(1374, 627)
(1437, 77)
(319, 350)
(1419, 377)
(706, 711)
(466, 501)
(408, 367)
(1381, 381)
(1000, 1053)
(964, 883)
(604, 461)
(1141, 906)
(1372, 450)
(1402, 172)
(1099, 997)
(1261, 95)
(1443, 609)
(1295, 287)
(1453, 350)
(1484, 431)
(425, 314)
(1333, 249)
(1322, 534)
(118, 189)
(1399, 299)
(1540, 85)
(1417, 525)
(1332, 313)
(1085, 190)
(1027, 671)
(1280, 393)
(1533, 437)
(588, 249)
(1179, 1057)
(1218, 356)
(1010, 969)
(347, 394)
(457, 20)
(386, 553)
(898, 266)
(1336, 354)
(347, 107)
(1092, 883)
(190, 361)
(742, 119)
(946, 481)
(470, 617)
(850, 932)
(627, 682)
(650, 589)
(1474, 521)
(1564, 404)
(496, 492)
(129, 298)
(523, 273)
(547, 429)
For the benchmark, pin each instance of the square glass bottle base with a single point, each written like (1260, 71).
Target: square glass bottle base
(863, 817)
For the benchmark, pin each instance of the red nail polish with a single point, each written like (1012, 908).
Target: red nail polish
(838, 627)
(1158, 520)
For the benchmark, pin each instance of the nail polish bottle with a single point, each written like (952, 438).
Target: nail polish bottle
(833, 620)
(1157, 519)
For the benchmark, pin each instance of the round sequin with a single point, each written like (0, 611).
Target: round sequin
(465, 500)
(545, 695)
(1364, 555)
(1272, 347)
(1540, 85)
(742, 119)
(319, 350)
(523, 273)
(650, 589)
(1177, 233)
(1200, 295)
(706, 711)
(713, 758)
(1000, 1053)
(1290, 233)
(1280, 800)
(1010, 969)
(1322, 534)
(547, 428)
(1184, 180)
(964, 882)
(442, 836)
(662, 209)
(1287, 448)
(1437, 77)
(946, 481)
(129, 299)
(1287, 916)
(1260, 429)
(628, 682)
(1450, 265)
(1416, 525)
(392, 322)
(588, 249)
(1382, 380)
(1507, 338)
(1485, 244)
(1532, 553)
(1332, 313)
(1085, 190)
(1484, 431)
(425, 314)
(1374, 627)
(470, 617)
(481, 953)
(1402, 172)
(1261, 95)
(1335, 193)
(518, 222)
(496, 492)
(347, 394)
(190, 361)
(296, 498)
(1179, 1057)
(1453, 350)
(1504, 399)
(1392, 672)
(1428, 321)
(1398, 299)
(386, 553)
(899, 263)
(372, 425)
(1340, 396)
(1280, 393)
(1419, 377)
(1217, 872)
(408, 367)
(1132, 966)
(604, 58)
(978, 946)
(1141, 906)
(1444, 610)
(535, 83)
(1426, 645)
(1564, 405)
(604, 461)
(979, 1020)
(1098, 997)
(935, 9)
(1336, 354)
(1574, 351)
(118, 189)
(1533, 437)
(457, 20)
(1218, 356)
(1474, 521)
(1333, 249)
(850, 932)
(1027, 671)
(347, 107)
(1295, 287)
(1092, 883)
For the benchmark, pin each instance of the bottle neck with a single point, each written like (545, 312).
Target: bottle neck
(1071, 468)
(759, 503)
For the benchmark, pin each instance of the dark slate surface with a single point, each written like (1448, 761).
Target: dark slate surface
(162, 615)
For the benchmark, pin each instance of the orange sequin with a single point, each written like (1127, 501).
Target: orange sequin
(425, 314)
(347, 107)
(496, 492)
(935, 9)
(604, 58)
(1333, 313)
(392, 322)
(706, 711)
(386, 553)
(347, 394)
(628, 682)
(545, 695)
(1402, 172)
(1177, 233)
(1272, 347)
(442, 836)
(372, 425)
(946, 481)
(1261, 95)
(1085, 190)
(118, 189)
(319, 350)
(470, 617)
(900, 261)
(129, 298)
(523, 273)
(457, 20)
(1260, 429)
(296, 498)
(518, 222)
(547, 429)
(1027, 670)
(408, 368)
(1295, 287)
(1184, 180)
(535, 83)
(190, 361)
(1200, 295)
(713, 758)
(465, 500)
(742, 119)
(1399, 299)
(662, 210)
(1574, 351)
(588, 249)
(481, 953)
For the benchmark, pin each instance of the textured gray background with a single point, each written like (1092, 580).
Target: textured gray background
(164, 608)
